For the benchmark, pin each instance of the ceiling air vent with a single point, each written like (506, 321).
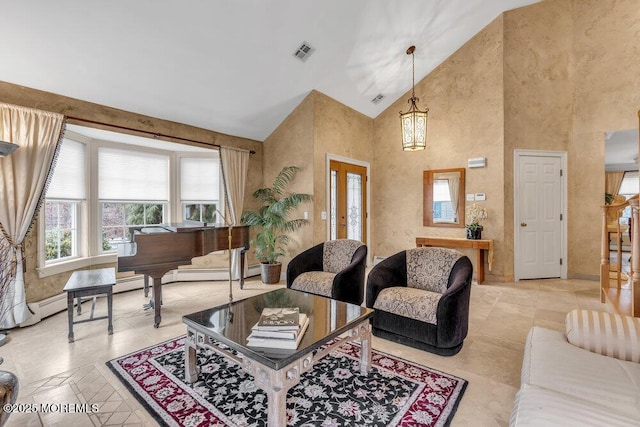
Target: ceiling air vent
(378, 98)
(304, 51)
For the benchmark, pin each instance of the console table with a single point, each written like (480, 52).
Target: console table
(455, 242)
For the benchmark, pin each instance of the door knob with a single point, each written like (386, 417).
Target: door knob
(523, 224)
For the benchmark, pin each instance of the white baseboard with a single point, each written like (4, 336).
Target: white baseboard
(57, 303)
(377, 259)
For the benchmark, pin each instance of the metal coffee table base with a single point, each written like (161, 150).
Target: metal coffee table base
(276, 382)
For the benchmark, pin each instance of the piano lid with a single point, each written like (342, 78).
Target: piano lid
(187, 226)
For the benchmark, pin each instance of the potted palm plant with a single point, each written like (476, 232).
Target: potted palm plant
(272, 220)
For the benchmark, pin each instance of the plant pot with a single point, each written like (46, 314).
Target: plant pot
(8, 393)
(270, 273)
(474, 234)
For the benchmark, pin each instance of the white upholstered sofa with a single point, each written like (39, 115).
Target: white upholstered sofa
(589, 376)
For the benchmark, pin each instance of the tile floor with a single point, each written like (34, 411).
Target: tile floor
(51, 370)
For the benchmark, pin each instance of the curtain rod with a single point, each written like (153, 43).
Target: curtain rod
(155, 135)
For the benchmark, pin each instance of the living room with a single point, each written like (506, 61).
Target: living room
(554, 76)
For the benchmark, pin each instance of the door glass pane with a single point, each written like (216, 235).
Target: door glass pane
(354, 206)
(334, 204)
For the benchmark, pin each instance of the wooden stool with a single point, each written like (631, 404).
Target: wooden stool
(90, 283)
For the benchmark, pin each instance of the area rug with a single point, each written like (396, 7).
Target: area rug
(396, 392)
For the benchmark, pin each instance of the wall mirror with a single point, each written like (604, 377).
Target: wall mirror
(443, 193)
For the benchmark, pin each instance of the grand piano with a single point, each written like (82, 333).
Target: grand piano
(156, 250)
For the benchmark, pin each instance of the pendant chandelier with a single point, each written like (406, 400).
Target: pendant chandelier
(414, 122)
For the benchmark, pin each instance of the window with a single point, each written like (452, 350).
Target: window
(105, 185)
(200, 188)
(442, 206)
(118, 219)
(133, 191)
(61, 230)
(628, 187)
(63, 201)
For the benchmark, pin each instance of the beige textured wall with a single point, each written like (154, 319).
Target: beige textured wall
(319, 125)
(538, 91)
(606, 58)
(291, 144)
(341, 131)
(569, 73)
(38, 289)
(465, 100)
(554, 76)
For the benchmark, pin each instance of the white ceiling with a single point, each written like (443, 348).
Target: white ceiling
(228, 65)
(621, 150)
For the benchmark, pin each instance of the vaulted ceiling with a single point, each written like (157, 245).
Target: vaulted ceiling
(228, 65)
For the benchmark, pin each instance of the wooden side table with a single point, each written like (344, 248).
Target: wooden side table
(90, 283)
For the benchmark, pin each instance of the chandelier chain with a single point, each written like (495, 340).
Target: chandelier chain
(413, 75)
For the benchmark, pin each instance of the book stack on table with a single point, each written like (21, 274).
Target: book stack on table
(278, 328)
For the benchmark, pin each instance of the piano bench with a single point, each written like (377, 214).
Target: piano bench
(90, 283)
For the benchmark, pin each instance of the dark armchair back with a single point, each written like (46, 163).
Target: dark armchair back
(444, 336)
(348, 283)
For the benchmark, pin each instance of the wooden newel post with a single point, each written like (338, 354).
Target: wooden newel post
(604, 258)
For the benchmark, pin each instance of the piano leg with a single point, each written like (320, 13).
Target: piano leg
(157, 298)
(243, 255)
(146, 285)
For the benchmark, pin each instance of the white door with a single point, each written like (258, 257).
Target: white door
(539, 217)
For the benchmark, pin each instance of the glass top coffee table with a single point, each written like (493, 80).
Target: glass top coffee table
(276, 371)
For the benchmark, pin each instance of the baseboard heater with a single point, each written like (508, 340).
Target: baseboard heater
(57, 303)
(377, 259)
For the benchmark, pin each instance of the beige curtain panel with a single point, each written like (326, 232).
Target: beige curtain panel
(23, 178)
(235, 165)
(454, 193)
(612, 181)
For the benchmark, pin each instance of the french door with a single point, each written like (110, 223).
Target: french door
(348, 196)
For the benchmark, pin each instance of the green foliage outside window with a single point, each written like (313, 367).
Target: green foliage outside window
(117, 218)
(139, 214)
(57, 247)
(192, 212)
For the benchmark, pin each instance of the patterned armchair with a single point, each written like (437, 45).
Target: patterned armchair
(421, 299)
(333, 269)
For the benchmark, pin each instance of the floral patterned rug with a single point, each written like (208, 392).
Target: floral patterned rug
(394, 393)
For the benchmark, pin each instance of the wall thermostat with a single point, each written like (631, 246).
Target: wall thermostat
(477, 162)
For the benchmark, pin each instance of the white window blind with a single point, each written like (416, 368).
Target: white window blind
(441, 191)
(68, 180)
(199, 179)
(132, 175)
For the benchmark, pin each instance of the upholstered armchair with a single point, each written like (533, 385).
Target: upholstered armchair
(421, 299)
(333, 269)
